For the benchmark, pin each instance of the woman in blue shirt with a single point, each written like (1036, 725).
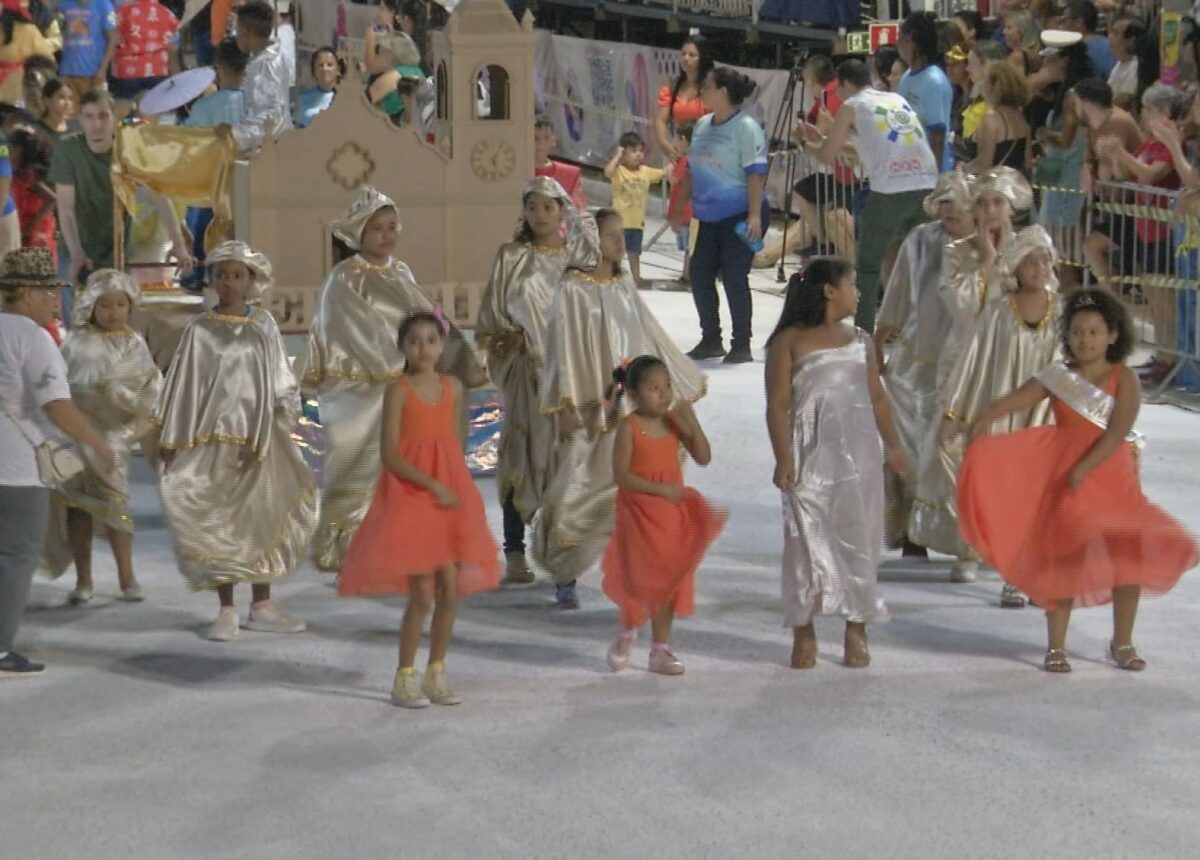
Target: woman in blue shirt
(327, 72)
(727, 175)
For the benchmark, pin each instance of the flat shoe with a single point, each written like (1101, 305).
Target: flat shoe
(79, 596)
(133, 594)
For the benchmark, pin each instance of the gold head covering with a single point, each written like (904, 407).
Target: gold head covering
(240, 252)
(367, 201)
(547, 187)
(1027, 240)
(951, 188)
(1008, 182)
(99, 283)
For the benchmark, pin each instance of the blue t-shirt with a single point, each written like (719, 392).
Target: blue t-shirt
(1102, 55)
(85, 24)
(720, 159)
(931, 96)
(224, 107)
(6, 173)
(310, 103)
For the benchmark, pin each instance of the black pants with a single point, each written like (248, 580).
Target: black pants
(719, 250)
(514, 526)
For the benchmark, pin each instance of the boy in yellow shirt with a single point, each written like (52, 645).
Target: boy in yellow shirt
(631, 180)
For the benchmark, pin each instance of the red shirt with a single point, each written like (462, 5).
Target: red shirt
(1153, 151)
(148, 31)
(831, 102)
(677, 175)
(36, 232)
(569, 177)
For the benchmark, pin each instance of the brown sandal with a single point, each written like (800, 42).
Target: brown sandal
(804, 647)
(1126, 657)
(1056, 661)
(856, 654)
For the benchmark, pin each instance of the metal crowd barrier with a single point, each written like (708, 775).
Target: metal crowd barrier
(1062, 211)
(1144, 246)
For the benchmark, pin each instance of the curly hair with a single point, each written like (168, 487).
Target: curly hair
(1115, 317)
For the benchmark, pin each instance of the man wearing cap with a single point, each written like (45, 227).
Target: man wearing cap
(35, 404)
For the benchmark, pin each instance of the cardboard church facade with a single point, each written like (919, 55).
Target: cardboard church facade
(457, 180)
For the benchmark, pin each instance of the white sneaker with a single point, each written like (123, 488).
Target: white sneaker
(225, 628)
(618, 651)
(79, 596)
(963, 571)
(664, 662)
(133, 594)
(271, 619)
(435, 688)
(406, 691)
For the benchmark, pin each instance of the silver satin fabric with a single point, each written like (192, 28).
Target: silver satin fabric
(266, 101)
(1001, 355)
(350, 359)
(231, 393)
(914, 310)
(511, 329)
(594, 325)
(115, 383)
(833, 517)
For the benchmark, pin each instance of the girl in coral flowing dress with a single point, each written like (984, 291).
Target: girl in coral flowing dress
(662, 528)
(425, 534)
(1070, 526)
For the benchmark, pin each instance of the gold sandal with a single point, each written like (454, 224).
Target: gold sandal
(1126, 657)
(1056, 661)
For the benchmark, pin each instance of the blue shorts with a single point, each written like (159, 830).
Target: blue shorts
(633, 241)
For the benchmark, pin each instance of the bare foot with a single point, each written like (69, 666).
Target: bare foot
(856, 655)
(804, 647)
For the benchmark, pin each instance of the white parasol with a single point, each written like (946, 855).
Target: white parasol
(176, 91)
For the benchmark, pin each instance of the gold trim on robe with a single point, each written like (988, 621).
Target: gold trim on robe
(115, 383)
(595, 323)
(350, 359)
(511, 329)
(239, 500)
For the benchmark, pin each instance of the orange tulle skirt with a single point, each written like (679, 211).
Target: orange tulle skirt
(1018, 512)
(651, 559)
(406, 533)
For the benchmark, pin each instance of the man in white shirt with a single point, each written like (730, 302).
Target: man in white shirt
(266, 105)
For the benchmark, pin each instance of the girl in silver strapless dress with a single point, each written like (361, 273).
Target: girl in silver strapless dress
(826, 411)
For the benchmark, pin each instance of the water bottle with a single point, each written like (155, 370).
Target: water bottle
(742, 228)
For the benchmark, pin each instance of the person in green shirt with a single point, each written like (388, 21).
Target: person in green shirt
(81, 170)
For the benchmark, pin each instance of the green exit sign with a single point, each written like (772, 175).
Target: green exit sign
(858, 43)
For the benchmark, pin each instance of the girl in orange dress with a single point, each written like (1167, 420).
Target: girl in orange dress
(662, 527)
(1070, 526)
(425, 534)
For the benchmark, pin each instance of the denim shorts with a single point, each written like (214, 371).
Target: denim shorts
(633, 241)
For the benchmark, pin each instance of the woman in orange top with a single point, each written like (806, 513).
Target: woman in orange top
(1070, 526)
(425, 534)
(662, 528)
(680, 101)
